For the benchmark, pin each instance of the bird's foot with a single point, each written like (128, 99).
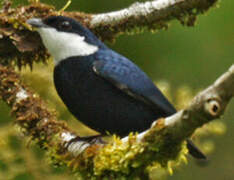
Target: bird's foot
(97, 139)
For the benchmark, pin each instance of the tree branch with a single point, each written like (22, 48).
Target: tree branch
(129, 157)
(25, 46)
(150, 15)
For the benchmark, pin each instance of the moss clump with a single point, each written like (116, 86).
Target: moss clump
(118, 156)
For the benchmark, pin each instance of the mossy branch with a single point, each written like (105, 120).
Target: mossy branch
(20, 44)
(130, 157)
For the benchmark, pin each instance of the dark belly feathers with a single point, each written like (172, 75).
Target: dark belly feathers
(97, 103)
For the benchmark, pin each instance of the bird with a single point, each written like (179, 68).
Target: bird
(100, 87)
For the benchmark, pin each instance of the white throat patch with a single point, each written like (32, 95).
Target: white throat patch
(62, 45)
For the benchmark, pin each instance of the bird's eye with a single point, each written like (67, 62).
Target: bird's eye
(65, 25)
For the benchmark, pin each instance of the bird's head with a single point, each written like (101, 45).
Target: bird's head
(65, 37)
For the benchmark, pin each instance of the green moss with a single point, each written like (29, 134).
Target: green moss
(118, 157)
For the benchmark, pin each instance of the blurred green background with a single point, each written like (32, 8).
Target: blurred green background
(180, 59)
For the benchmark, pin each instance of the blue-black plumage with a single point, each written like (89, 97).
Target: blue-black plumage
(103, 89)
(109, 96)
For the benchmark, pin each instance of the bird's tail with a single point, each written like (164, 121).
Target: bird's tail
(194, 151)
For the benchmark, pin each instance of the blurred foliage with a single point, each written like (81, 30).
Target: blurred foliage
(18, 161)
(189, 59)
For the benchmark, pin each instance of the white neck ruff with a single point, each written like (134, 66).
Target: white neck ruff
(62, 45)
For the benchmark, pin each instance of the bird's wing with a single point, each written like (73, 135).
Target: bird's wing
(126, 76)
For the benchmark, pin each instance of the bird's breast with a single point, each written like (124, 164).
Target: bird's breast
(96, 102)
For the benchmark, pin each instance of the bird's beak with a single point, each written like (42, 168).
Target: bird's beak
(36, 22)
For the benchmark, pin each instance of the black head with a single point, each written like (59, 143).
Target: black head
(65, 37)
(66, 24)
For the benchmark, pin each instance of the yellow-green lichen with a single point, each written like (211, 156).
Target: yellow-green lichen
(117, 156)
